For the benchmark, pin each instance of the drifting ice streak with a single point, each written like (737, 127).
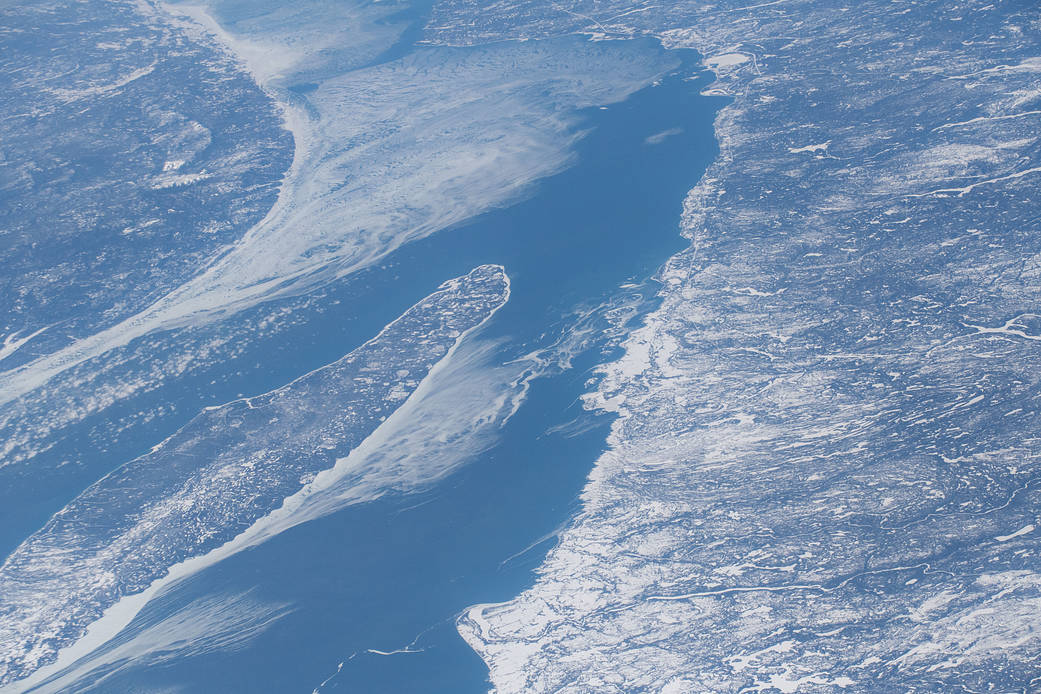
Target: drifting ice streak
(227, 468)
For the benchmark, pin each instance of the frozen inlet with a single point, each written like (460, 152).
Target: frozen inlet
(227, 468)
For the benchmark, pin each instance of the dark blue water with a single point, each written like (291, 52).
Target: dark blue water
(380, 574)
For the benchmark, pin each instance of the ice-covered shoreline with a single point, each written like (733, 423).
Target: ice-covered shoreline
(825, 462)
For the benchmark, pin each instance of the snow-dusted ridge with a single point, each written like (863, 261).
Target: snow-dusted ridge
(227, 480)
